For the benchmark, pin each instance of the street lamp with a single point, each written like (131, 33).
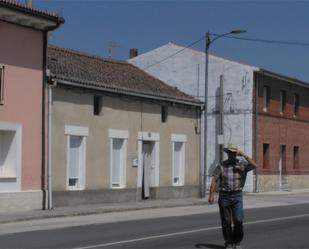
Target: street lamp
(207, 45)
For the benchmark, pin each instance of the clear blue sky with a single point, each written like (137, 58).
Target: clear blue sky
(92, 24)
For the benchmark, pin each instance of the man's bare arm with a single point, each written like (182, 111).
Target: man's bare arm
(212, 189)
(251, 163)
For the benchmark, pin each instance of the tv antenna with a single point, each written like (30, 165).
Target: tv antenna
(111, 46)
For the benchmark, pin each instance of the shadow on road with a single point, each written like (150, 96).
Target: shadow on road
(210, 246)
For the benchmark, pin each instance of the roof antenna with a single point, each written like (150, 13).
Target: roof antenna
(111, 46)
(29, 3)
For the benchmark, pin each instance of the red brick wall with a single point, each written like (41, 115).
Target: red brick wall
(278, 129)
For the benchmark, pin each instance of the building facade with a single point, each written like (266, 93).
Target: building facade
(276, 138)
(229, 102)
(281, 132)
(22, 51)
(119, 134)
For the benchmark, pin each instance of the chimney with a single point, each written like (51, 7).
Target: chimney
(29, 3)
(133, 52)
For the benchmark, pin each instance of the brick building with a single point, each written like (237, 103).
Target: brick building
(281, 132)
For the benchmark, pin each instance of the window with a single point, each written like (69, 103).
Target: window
(10, 156)
(7, 154)
(76, 156)
(296, 104)
(282, 101)
(97, 105)
(1, 84)
(178, 146)
(295, 157)
(75, 180)
(266, 94)
(118, 159)
(178, 164)
(265, 156)
(164, 114)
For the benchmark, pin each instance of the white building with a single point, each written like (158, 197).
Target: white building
(184, 68)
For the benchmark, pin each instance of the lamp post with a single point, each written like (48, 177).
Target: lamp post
(209, 41)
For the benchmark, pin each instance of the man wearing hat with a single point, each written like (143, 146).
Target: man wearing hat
(231, 175)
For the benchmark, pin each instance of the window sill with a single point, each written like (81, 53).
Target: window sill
(7, 177)
(74, 189)
(122, 187)
(178, 185)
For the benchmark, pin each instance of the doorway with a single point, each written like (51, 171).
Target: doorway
(148, 168)
(282, 167)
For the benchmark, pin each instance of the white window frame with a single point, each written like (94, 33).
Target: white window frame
(14, 185)
(124, 135)
(179, 138)
(84, 133)
(154, 137)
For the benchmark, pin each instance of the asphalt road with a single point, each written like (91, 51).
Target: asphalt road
(275, 227)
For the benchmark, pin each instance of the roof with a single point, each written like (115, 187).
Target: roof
(89, 71)
(24, 15)
(283, 77)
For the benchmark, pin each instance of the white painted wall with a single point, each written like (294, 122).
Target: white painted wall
(186, 71)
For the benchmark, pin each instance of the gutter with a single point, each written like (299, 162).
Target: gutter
(141, 95)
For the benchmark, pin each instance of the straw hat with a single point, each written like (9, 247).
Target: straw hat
(231, 148)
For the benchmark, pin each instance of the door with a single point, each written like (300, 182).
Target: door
(282, 167)
(147, 168)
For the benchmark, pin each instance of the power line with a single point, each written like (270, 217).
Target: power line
(304, 44)
(166, 58)
(291, 43)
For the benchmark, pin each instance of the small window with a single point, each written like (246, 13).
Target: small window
(1, 85)
(97, 105)
(265, 156)
(296, 104)
(164, 114)
(118, 163)
(282, 101)
(295, 157)
(178, 164)
(266, 95)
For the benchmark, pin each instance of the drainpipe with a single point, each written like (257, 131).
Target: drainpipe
(49, 179)
(52, 82)
(43, 182)
(256, 77)
(46, 166)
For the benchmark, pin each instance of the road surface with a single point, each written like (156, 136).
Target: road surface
(273, 227)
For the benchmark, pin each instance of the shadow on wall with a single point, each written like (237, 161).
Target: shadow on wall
(216, 111)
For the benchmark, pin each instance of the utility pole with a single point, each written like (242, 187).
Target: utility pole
(221, 113)
(208, 42)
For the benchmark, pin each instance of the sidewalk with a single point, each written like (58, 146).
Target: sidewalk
(251, 200)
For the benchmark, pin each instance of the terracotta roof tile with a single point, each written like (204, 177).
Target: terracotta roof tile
(85, 69)
(23, 7)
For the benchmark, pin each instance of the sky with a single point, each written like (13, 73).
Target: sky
(93, 25)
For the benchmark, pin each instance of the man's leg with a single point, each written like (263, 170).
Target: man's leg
(238, 216)
(226, 219)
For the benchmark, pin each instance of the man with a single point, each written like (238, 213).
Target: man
(231, 175)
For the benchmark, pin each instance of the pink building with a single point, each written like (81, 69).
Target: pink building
(23, 42)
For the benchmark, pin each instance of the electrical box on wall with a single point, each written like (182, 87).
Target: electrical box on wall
(135, 162)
